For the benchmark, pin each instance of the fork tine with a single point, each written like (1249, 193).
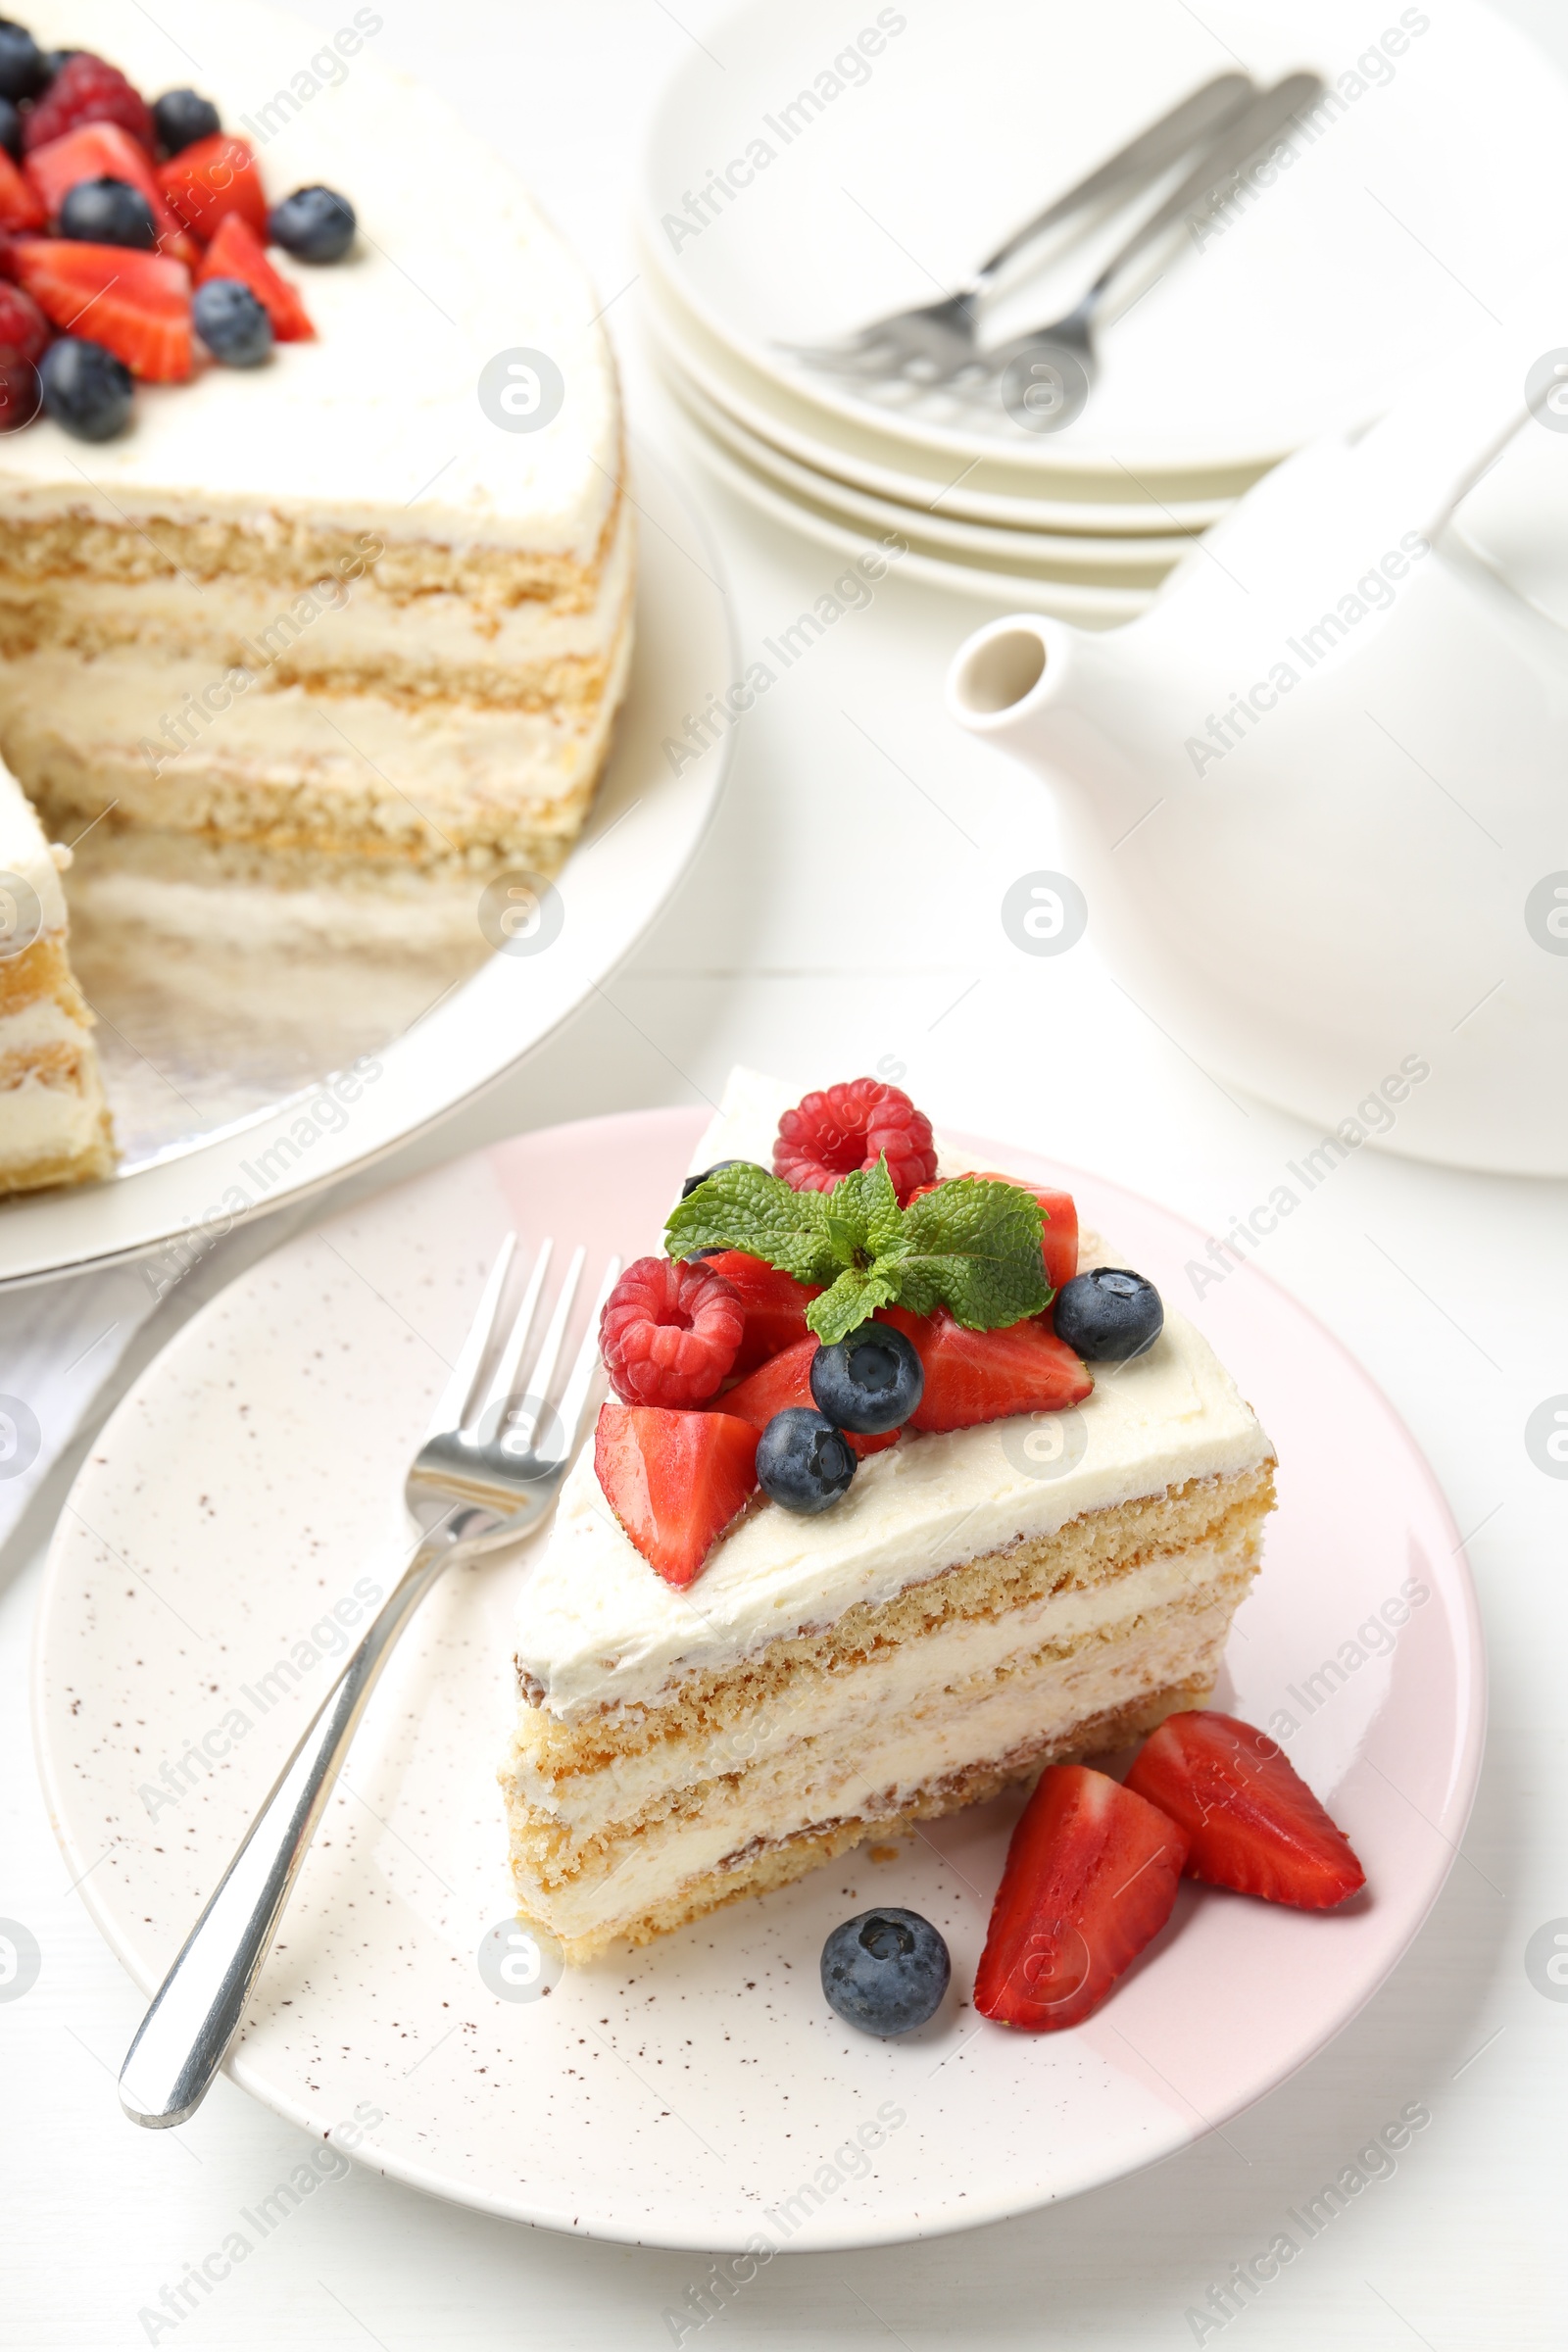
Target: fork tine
(504, 1378)
(522, 1428)
(471, 1356)
(579, 1384)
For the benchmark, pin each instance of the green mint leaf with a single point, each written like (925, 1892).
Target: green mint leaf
(863, 1214)
(857, 1293)
(974, 1247)
(746, 1208)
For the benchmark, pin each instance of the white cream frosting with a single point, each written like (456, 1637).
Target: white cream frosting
(378, 424)
(25, 853)
(597, 1626)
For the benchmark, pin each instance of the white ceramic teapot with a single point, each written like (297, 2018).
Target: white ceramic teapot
(1317, 795)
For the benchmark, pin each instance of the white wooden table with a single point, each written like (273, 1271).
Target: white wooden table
(850, 791)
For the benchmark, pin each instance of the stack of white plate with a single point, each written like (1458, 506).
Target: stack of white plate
(806, 173)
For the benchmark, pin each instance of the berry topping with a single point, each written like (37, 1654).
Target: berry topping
(102, 150)
(25, 331)
(1108, 1315)
(775, 1304)
(138, 304)
(21, 394)
(313, 224)
(20, 208)
(107, 212)
(237, 252)
(827, 1136)
(9, 131)
(88, 89)
(669, 1333)
(786, 1380)
(211, 179)
(1252, 1822)
(231, 323)
(676, 1481)
(181, 118)
(802, 1461)
(1091, 1875)
(23, 70)
(692, 1182)
(1060, 1240)
(85, 388)
(975, 1376)
(870, 1382)
(886, 1971)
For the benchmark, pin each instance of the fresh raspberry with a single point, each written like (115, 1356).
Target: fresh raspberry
(669, 1333)
(25, 331)
(88, 89)
(825, 1138)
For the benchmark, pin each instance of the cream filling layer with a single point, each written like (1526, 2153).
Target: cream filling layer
(43, 1022)
(773, 1799)
(850, 1707)
(24, 856)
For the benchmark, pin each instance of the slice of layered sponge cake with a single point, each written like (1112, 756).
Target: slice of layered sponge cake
(54, 1122)
(983, 1602)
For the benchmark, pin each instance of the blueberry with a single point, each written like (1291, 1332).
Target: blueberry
(9, 131)
(802, 1461)
(85, 388)
(1107, 1315)
(109, 212)
(692, 1182)
(23, 70)
(313, 224)
(870, 1382)
(885, 1972)
(182, 117)
(231, 323)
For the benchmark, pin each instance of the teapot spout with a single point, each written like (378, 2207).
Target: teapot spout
(1055, 697)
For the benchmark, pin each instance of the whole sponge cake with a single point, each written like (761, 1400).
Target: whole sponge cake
(334, 606)
(982, 1600)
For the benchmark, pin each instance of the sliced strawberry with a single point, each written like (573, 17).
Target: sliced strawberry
(784, 1379)
(975, 1376)
(775, 1304)
(1060, 1241)
(20, 206)
(99, 151)
(1090, 1878)
(237, 252)
(676, 1481)
(1252, 1822)
(213, 177)
(137, 305)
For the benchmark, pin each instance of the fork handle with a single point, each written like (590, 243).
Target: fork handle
(196, 2011)
(1205, 110)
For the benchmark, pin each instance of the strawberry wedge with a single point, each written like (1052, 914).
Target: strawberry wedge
(1251, 1821)
(104, 151)
(211, 178)
(674, 1480)
(237, 252)
(975, 1376)
(775, 1304)
(1090, 1878)
(19, 205)
(137, 305)
(786, 1380)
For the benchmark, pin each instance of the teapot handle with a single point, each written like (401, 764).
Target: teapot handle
(1434, 443)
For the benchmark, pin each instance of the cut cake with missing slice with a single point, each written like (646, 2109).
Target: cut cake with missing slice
(982, 1602)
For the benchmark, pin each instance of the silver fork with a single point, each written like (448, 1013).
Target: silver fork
(930, 343)
(486, 1475)
(1061, 358)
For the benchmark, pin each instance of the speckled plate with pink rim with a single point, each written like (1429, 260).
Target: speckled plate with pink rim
(699, 2093)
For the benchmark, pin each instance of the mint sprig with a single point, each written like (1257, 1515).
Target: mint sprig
(971, 1245)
